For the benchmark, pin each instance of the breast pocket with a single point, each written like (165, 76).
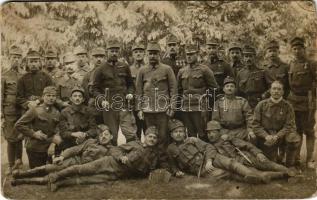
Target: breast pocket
(197, 80)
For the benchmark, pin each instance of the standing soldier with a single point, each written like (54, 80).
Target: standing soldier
(302, 80)
(235, 55)
(113, 89)
(82, 63)
(252, 82)
(10, 113)
(51, 65)
(39, 125)
(274, 66)
(233, 113)
(274, 122)
(219, 67)
(156, 90)
(195, 83)
(138, 52)
(30, 86)
(173, 57)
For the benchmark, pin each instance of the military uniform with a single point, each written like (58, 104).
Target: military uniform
(273, 119)
(193, 84)
(41, 118)
(55, 73)
(113, 81)
(253, 82)
(65, 86)
(237, 65)
(81, 70)
(151, 83)
(302, 80)
(10, 112)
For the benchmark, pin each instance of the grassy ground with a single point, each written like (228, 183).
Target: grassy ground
(188, 187)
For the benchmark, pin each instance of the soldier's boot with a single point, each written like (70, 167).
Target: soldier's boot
(249, 174)
(37, 180)
(29, 173)
(274, 175)
(53, 186)
(310, 144)
(55, 176)
(291, 151)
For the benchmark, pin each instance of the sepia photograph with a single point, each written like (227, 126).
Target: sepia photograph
(158, 99)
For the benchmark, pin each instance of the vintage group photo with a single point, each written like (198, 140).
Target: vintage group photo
(158, 99)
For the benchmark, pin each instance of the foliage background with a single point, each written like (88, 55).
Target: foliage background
(64, 25)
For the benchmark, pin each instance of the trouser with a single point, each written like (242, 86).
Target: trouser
(14, 150)
(124, 119)
(195, 124)
(271, 152)
(305, 125)
(266, 165)
(139, 124)
(160, 121)
(36, 159)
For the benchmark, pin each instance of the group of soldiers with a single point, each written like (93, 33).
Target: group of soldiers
(233, 119)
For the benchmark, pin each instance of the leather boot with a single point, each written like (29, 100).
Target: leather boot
(37, 181)
(29, 173)
(55, 176)
(274, 175)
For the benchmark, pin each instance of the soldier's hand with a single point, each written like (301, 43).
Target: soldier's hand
(261, 157)
(124, 159)
(40, 135)
(57, 139)
(179, 174)
(274, 139)
(79, 134)
(51, 149)
(129, 96)
(191, 139)
(105, 104)
(170, 112)
(141, 115)
(251, 136)
(58, 160)
(269, 141)
(209, 167)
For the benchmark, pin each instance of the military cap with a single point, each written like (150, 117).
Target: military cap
(248, 49)
(212, 41)
(173, 124)
(15, 50)
(69, 58)
(80, 50)
(298, 41)
(103, 127)
(172, 39)
(191, 48)
(234, 45)
(153, 46)
(151, 130)
(32, 53)
(98, 51)
(273, 44)
(213, 125)
(50, 53)
(113, 43)
(229, 79)
(50, 90)
(78, 89)
(138, 46)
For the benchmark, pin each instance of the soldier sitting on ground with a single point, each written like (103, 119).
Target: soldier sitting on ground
(133, 159)
(194, 156)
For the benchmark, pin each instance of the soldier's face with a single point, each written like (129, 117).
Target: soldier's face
(150, 140)
(138, 54)
(15, 60)
(213, 135)
(82, 60)
(97, 60)
(272, 53)
(229, 88)
(249, 59)
(212, 50)
(298, 51)
(77, 98)
(172, 48)
(153, 57)
(191, 58)
(34, 64)
(70, 68)
(51, 62)
(49, 99)
(235, 54)
(276, 90)
(178, 134)
(105, 137)
(113, 54)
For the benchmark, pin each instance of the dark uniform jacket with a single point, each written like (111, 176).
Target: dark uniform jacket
(189, 155)
(30, 87)
(41, 118)
(196, 81)
(175, 63)
(273, 119)
(153, 82)
(141, 159)
(65, 86)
